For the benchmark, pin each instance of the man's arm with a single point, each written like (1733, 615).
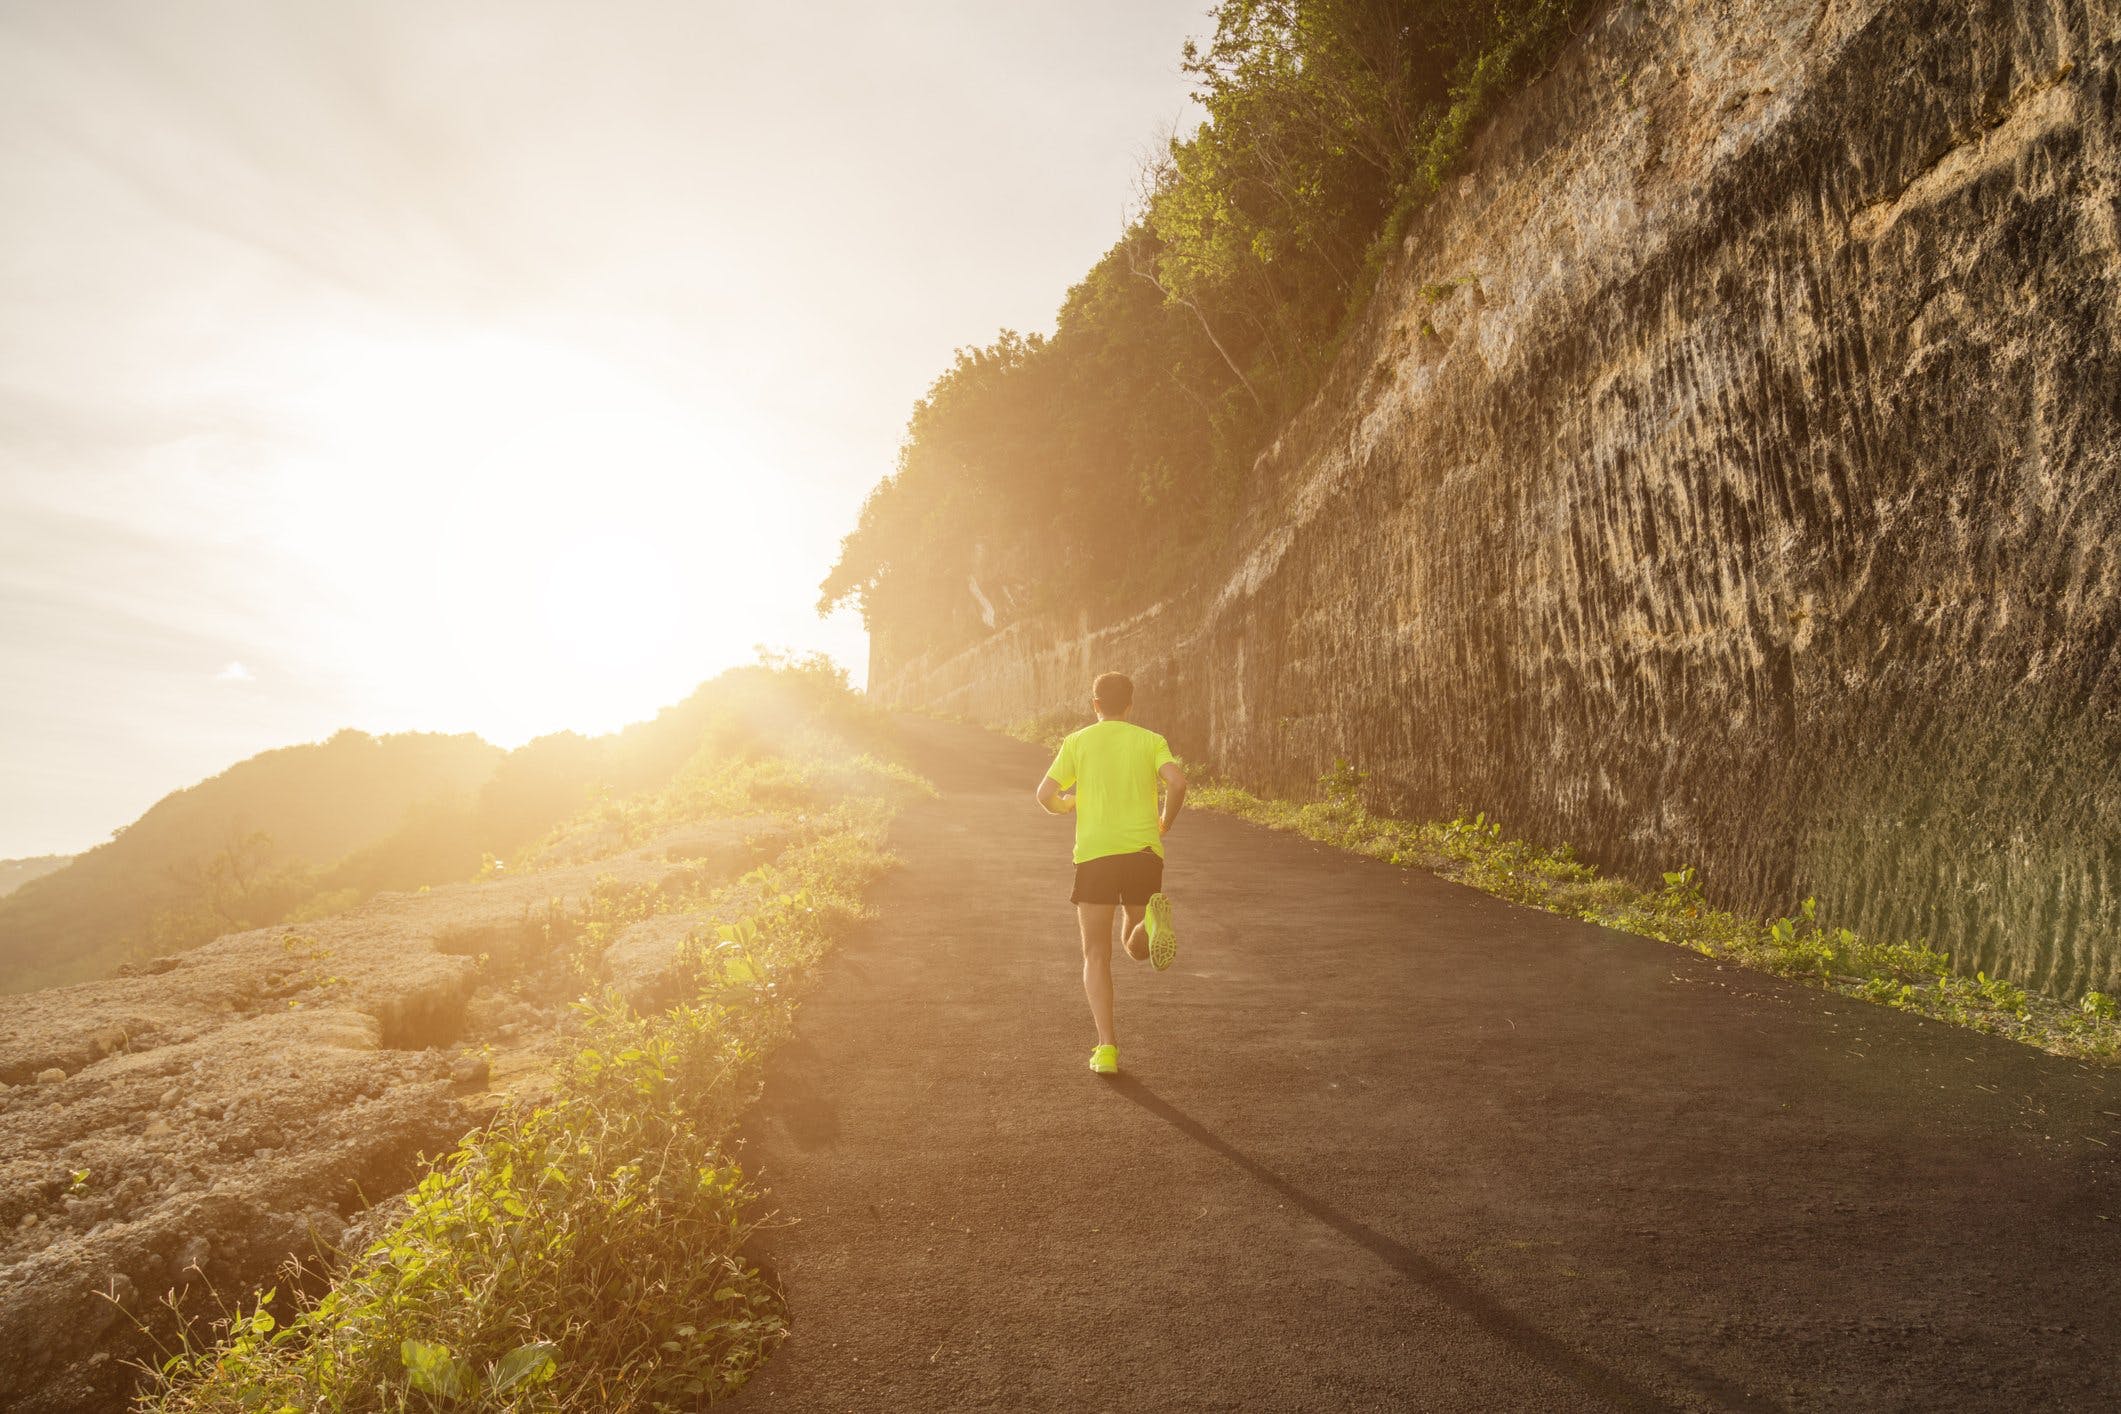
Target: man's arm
(1051, 800)
(1174, 795)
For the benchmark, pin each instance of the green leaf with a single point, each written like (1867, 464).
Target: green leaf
(430, 1370)
(534, 1363)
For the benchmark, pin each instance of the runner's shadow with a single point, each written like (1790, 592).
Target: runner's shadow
(1454, 1291)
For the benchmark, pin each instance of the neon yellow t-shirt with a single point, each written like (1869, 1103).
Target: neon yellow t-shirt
(1113, 767)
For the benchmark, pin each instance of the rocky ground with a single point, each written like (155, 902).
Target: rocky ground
(191, 1127)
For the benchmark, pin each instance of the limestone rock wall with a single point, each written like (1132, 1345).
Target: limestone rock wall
(1729, 474)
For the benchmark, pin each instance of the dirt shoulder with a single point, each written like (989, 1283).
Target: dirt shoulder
(1385, 1141)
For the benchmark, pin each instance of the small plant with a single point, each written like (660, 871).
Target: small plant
(1343, 784)
(1051, 727)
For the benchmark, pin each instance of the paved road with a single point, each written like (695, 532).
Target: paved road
(1384, 1142)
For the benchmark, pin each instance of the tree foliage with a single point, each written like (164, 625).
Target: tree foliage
(1253, 242)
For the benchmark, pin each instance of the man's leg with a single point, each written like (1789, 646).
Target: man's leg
(1095, 920)
(1148, 877)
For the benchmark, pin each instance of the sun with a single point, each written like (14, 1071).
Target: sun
(512, 537)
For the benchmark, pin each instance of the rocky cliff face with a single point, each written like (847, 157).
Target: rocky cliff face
(1729, 473)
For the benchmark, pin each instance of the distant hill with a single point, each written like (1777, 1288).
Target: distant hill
(265, 821)
(303, 831)
(14, 873)
(547, 781)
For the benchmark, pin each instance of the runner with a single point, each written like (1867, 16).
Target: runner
(1106, 775)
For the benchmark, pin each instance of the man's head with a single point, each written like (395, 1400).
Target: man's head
(1112, 694)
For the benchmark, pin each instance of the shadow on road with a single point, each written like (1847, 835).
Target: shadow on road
(1476, 1306)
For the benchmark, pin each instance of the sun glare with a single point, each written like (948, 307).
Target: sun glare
(539, 540)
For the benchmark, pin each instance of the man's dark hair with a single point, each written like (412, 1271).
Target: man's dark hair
(1114, 692)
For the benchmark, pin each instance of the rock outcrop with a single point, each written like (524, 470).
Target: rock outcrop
(198, 1123)
(1727, 473)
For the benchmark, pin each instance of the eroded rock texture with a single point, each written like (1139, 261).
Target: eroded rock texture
(192, 1125)
(1729, 475)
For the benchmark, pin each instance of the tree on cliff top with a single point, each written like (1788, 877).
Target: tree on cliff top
(1254, 241)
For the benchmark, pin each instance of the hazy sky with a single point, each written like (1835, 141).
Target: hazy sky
(489, 367)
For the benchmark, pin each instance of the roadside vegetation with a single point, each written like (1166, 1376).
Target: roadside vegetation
(588, 1252)
(1906, 975)
(1049, 729)
(1253, 248)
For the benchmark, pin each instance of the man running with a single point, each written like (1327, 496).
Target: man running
(1107, 775)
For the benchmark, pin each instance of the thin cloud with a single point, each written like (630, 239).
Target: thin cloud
(235, 672)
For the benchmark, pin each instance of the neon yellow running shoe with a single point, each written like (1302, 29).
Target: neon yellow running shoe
(1163, 938)
(1105, 1060)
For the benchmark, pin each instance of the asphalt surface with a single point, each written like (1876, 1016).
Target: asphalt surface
(1384, 1142)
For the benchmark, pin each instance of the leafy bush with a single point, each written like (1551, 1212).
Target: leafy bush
(1343, 784)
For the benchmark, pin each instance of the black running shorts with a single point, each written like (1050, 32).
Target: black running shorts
(1119, 878)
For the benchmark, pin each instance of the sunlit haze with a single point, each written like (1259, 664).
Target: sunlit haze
(492, 368)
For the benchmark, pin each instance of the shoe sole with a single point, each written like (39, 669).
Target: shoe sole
(1163, 941)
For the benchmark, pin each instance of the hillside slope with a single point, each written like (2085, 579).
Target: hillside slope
(245, 1101)
(192, 1123)
(342, 820)
(14, 873)
(316, 803)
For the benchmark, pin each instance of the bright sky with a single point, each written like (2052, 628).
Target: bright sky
(497, 367)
